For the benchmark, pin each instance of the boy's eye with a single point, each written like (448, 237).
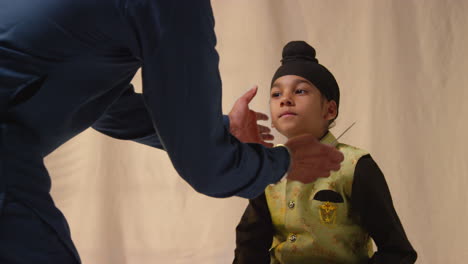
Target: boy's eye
(275, 94)
(300, 91)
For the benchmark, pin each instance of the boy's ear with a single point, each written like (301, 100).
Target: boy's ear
(331, 110)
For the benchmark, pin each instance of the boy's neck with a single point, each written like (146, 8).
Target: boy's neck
(319, 138)
(323, 135)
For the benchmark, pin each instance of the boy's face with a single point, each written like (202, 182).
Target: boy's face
(297, 107)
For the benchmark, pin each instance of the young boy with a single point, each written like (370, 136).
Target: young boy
(330, 220)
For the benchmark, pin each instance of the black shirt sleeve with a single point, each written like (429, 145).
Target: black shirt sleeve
(254, 233)
(372, 202)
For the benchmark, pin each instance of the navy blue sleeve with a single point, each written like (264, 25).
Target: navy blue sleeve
(128, 119)
(182, 90)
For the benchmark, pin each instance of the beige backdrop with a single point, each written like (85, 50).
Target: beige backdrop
(402, 68)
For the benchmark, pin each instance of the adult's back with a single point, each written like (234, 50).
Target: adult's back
(66, 65)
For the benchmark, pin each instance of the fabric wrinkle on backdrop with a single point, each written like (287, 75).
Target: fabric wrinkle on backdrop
(401, 68)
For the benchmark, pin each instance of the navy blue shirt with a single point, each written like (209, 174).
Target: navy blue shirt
(66, 65)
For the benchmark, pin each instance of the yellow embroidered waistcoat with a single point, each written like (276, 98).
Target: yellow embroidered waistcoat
(313, 222)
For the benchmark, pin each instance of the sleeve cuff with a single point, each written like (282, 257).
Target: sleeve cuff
(290, 162)
(226, 122)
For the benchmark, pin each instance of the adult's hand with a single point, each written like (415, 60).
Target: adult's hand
(243, 121)
(311, 159)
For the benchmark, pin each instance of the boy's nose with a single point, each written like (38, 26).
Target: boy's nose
(286, 101)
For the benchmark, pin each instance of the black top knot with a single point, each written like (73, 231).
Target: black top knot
(298, 50)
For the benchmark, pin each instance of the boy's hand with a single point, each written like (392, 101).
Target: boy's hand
(311, 159)
(243, 121)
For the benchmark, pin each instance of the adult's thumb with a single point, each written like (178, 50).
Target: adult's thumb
(249, 95)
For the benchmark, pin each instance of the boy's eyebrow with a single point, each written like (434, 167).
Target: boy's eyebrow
(275, 85)
(299, 81)
(296, 82)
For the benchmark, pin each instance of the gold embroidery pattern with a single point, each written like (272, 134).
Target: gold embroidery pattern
(327, 212)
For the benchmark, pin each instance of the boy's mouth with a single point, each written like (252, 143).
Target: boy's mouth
(287, 113)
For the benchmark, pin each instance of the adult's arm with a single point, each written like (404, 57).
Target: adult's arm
(182, 91)
(128, 119)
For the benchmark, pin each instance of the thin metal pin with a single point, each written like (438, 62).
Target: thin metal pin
(336, 140)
